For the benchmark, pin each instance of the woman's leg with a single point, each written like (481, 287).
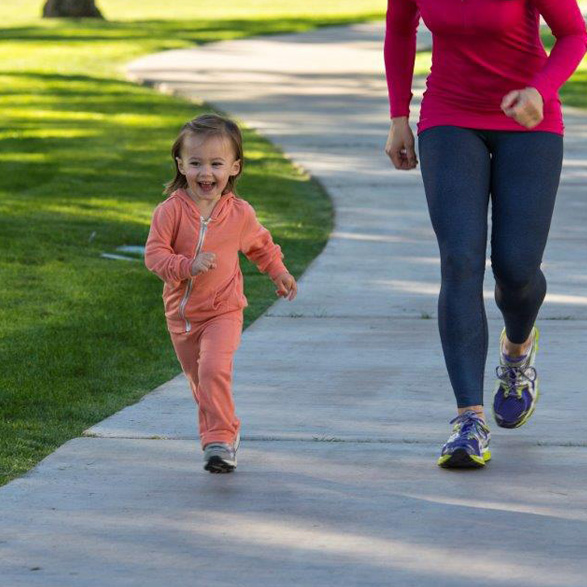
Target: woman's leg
(525, 173)
(455, 165)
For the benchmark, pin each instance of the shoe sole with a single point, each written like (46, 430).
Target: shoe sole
(218, 465)
(461, 459)
(529, 413)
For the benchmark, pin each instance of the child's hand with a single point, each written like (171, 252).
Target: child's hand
(203, 262)
(286, 286)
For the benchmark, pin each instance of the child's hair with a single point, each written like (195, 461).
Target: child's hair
(206, 125)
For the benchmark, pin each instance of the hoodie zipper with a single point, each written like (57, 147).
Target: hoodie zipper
(188, 291)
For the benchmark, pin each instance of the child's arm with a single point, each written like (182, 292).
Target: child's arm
(258, 246)
(160, 258)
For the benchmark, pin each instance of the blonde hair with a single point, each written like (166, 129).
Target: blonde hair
(206, 125)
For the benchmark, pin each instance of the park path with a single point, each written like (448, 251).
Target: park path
(345, 413)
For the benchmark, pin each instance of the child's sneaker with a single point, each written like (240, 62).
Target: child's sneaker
(220, 457)
(516, 391)
(468, 445)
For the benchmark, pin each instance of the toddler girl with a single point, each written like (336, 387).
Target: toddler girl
(193, 246)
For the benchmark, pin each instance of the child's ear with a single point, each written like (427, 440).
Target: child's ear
(180, 165)
(236, 167)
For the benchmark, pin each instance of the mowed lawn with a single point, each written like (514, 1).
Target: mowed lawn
(84, 156)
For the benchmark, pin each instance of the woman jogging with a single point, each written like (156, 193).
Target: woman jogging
(490, 127)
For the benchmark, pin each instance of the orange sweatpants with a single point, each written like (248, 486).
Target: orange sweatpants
(206, 355)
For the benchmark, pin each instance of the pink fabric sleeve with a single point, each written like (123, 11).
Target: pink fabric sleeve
(258, 246)
(399, 51)
(566, 22)
(160, 258)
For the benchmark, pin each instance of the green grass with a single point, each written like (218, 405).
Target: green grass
(84, 155)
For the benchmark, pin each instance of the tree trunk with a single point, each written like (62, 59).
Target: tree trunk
(71, 8)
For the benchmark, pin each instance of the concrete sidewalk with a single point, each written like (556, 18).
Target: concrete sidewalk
(345, 415)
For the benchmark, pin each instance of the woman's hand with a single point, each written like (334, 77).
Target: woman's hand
(203, 262)
(400, 144)
(286, 286)
(524, 106)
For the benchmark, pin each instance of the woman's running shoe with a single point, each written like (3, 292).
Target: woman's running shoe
(516, 391)
(468, 445)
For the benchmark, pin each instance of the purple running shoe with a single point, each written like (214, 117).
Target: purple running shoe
(468, 445)
(516, 391)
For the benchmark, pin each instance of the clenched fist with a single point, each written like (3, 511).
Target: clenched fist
(524, 106)
(203, 262)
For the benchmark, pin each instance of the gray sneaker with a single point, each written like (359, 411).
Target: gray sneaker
(220, 457)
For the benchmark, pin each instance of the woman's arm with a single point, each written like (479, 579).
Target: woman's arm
(566, 22)
(399, 51)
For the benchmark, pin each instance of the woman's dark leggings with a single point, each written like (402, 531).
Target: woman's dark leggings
(462, 168)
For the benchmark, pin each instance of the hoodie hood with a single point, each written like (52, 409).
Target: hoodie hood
(220, 210)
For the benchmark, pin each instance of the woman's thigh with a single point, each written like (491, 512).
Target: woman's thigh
(456, 169)
(525, 173)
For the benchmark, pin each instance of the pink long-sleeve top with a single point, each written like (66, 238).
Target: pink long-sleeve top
(482, 50)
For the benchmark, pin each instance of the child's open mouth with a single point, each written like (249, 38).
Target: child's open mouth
(207, 186)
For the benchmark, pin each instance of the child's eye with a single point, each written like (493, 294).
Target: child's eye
(195, 163)
(217, 164)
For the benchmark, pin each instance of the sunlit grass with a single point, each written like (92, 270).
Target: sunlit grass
(16, 12)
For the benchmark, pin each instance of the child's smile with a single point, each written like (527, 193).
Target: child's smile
(207, 186)
(207, 164)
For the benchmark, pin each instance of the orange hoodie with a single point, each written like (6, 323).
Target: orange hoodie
(179, 232)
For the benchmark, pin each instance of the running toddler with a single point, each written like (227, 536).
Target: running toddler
(193, 245)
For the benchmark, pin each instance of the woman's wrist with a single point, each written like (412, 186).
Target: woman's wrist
(400, 120)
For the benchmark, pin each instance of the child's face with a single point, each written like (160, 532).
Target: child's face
(207, 163)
